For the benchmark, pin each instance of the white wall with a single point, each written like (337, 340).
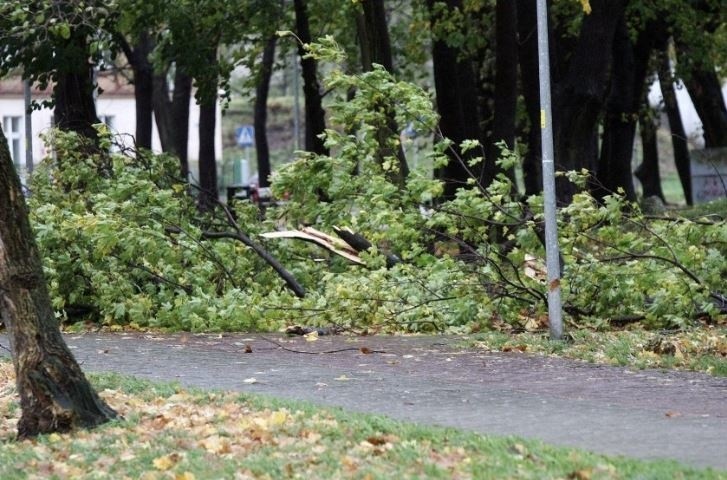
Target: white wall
(690, 119)
(122, 109)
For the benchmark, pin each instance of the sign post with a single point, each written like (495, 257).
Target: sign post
(546, 130)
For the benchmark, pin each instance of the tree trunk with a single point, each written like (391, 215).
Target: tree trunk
(172, 116)
(648, 171)
(261, 113)
(706, 91)
(207, 160)
(581, 94)
(373, 33)
(143, 90)
(54, 394)
(506, 54)
(528, 60)
(454, 82)
(619, 125)
(75, 108)
(315, 122)
(678, 135)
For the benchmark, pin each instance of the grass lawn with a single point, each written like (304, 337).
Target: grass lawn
(172, 433)
(702, 349)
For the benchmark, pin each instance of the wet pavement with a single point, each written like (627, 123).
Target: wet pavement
(644, 414)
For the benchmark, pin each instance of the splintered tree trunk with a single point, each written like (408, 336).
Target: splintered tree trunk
(54, 394)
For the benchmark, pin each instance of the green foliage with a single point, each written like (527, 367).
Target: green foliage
(121, 240)
(120, 235)
(47, 37)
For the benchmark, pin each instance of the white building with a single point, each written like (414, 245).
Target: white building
(115, 106)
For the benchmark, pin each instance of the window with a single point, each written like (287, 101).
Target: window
(11, 127)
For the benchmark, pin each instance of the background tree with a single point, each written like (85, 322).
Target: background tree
(58, 44)
(54, 394)
(315, 122)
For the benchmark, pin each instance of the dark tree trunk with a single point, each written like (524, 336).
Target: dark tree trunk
(706, 91)
(374, 36)
(75, 108)
(678, 135)
(528, 60)
(503, 128)
(580, 96)
(373, 33)
(619, 126)
(454, 82)
(172, 116)
(648, 171)
(207, 160)
(143, 89)
(315, 121)
(261, 113)
(54, 394)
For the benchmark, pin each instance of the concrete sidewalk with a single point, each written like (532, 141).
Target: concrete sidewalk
(644, 414)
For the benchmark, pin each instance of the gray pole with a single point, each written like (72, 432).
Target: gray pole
(28, 129)
(551, 226)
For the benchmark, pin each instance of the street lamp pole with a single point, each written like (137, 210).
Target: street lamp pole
(546, 129)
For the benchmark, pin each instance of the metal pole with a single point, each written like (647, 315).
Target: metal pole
(546, 131)
(28, 129)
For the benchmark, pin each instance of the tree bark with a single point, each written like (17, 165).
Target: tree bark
(619, 126)
(172, 116)
(528, 60)
(506, 54)
(705, 90)
(678, 135)
(373, 33)
(261, 113)
(143, 90)
(207, 159)
(54, 394)
(581, 94)
(648, 171)
(454, 82)
(315, 122)
(75, 108)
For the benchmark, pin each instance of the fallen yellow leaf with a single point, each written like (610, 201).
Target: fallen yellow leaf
(166, 462)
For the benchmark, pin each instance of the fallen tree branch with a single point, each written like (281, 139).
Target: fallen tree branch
(289, 279)
(363, 350)
(360, 244)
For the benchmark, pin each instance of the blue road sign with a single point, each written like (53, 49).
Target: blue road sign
(245, 135)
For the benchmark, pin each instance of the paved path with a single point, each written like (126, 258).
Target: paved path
(644, 414)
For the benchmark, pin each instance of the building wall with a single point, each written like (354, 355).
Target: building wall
(121, 110)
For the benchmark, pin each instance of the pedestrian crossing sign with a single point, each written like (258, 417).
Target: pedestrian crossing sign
(245, 135)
